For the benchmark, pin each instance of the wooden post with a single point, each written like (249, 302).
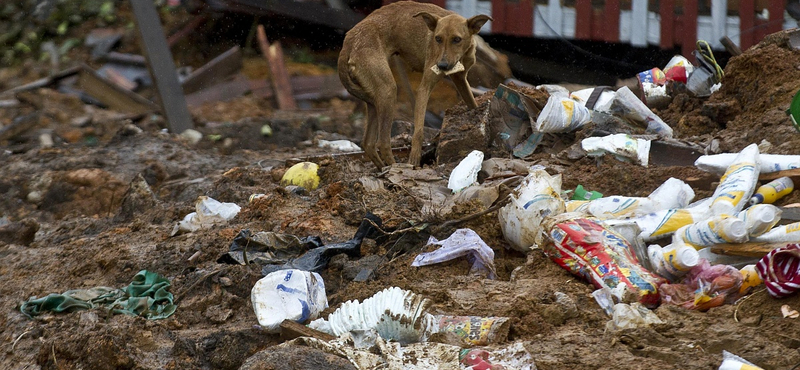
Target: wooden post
(667, 13)
(278, 73)
(161, 66)
(583, 19)
(747, 22)
(689, 42)
(730, 46)
(611, 15)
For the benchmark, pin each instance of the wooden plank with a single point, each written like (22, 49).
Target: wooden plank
(583, 19)
(291, 330)
(794, 174)
(639, 23)
(161, 66)
(611, 16)
(42, 82)
(221, 92)
(747, 20)
(689, 41)
(215, 71)
(113, 95)
(730, 46)
(279, 76)
(746, 249)
(667, 13)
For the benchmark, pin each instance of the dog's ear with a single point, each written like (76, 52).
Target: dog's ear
(429, 19)
(475, 23)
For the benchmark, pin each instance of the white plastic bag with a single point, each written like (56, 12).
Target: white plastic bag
(208, 212)
(622, 146)
(561, 114)
(288, 295)
(466, 172)
(537, 197)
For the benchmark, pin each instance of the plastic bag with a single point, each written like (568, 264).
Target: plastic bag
(780, 271)
(463, 242)
(208, 212)
(561, 114)
(466, 172)
(632, 316)
(622, 146)
(587, 249)
(537, 197)
(704, 287)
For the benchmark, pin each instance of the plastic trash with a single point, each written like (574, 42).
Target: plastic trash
(760, 218)
(302, 174)
(679, 61)
(604, 98)
(780, 271)
(537, 197)
(653, 76)
(673, 261)
(288, 295)
(733, 362)
(561, 114)
(266, 247)
(473, 330)
(715, 230)
(588, 249)
(665, 222)
(318, 257)
(704, 287)
(655, 96)
(396, 314)
(719, 163)
(463, 242)
(631, 232)
(582, 194)
(723, 259)
(477, 359)
(773, 190)
(750, 279)
(208, 212)
(789, 233)
(632, 316)
(673, 193)
(627, 105)
(737, 184)
(340, 145)
(466, 172)
(622, 146)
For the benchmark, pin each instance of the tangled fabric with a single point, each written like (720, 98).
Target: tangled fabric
(780, 270)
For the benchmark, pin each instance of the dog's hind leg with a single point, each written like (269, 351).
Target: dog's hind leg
(385, 113)
(371, 129)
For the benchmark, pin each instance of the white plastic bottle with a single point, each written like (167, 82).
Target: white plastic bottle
(715, 230)
(760, 218)
(673, 261)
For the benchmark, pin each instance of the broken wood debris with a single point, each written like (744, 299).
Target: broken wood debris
(162, 68)
(215, 71)
(113, 95)
(279, 76)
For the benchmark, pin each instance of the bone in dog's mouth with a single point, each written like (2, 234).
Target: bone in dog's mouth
(456, 68)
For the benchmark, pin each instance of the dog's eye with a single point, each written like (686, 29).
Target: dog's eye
(456, 40)
(439, 39)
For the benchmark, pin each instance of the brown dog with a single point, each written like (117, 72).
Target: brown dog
(430, 40)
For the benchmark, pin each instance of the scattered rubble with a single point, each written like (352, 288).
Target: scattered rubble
(486, 264)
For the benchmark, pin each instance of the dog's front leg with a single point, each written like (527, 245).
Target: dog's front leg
(462, 86)
(429, 80)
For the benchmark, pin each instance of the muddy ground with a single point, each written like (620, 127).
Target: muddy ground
(92, 232)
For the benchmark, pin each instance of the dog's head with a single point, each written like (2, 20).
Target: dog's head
(452, 36)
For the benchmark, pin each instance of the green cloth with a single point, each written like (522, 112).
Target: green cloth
(147, 295)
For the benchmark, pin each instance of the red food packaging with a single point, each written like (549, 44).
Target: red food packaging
(587, 249)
